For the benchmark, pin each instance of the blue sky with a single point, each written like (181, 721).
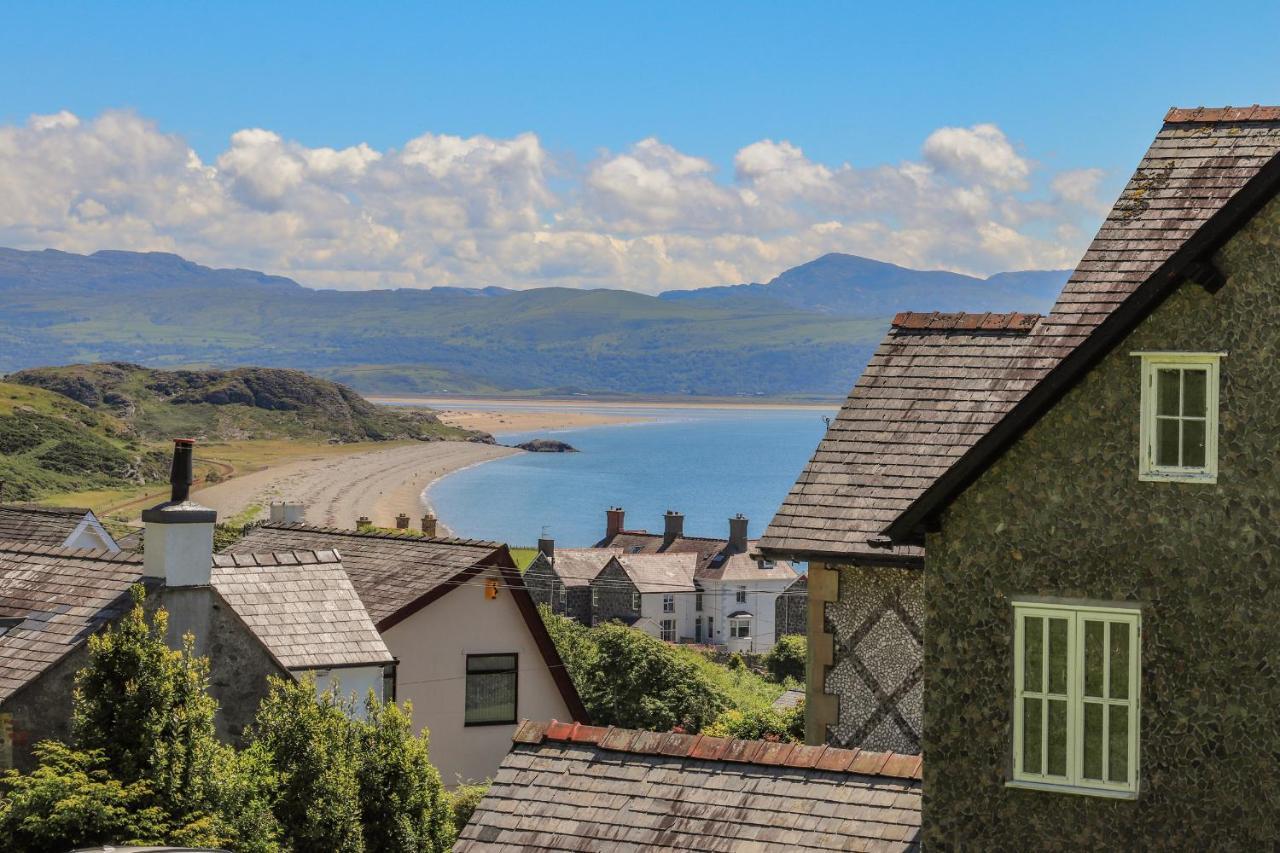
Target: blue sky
(1077, 86)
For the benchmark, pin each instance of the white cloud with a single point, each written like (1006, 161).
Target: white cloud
(479, 210)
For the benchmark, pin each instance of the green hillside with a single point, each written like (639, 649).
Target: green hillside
(50, 444)
(107, 426)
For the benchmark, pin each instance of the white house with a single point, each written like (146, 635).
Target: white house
(734, 592)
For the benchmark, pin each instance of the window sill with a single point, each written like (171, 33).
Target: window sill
(1172, 477)
(1052, 788)
(490, 723)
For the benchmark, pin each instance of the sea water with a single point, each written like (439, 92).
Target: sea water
(707, 463)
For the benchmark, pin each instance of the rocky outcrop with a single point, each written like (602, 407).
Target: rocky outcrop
(547, 445)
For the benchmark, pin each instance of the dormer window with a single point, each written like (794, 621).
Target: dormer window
(1179, 417)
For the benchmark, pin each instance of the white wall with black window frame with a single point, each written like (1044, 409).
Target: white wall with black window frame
(1076, 690)
(1179, 416)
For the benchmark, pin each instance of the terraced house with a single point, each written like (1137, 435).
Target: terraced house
(1082, 504)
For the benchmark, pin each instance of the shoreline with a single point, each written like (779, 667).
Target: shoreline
(502, 422)
(533, 403)
(380, 484)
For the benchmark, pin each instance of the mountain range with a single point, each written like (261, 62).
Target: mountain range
(806, 333)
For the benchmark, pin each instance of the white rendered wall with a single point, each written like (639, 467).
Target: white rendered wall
(357, 680)
(182, 554)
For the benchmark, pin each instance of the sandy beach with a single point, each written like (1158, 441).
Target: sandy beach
(337, 490)
(499, 422)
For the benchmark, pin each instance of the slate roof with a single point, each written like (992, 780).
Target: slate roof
(301, 606)
(577, 567)
(940, 384)
(660, 572)
(735, 565)
(63, 595)
(389, 571)
(571, 787)
(46, 525)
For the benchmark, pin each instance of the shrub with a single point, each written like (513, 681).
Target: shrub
(464, 800)
(760, 724)
(787, 658)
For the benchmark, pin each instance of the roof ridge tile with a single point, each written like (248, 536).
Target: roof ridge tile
(710, 748)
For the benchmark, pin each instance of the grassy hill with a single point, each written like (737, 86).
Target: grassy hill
(51, 444)
(106, 427)
(162, 311)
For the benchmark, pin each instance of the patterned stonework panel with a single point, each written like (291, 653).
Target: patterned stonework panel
(878, 627)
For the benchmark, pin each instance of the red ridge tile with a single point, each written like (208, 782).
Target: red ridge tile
(836, 759)
(529, 732)
(804, 756)
(774, 753)
(742, 750)
(557, 730)
(618, 739)
(710, 748)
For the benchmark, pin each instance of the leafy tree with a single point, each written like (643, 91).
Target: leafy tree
(574, 642)
(71, 800)
(310, 750)
(639, 682)
(760, 724)
(787, 658)
(403, 806)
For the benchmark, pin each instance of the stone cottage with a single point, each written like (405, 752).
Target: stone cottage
(254, 615)
(652, 592)
(1101, 636)
(561, 578)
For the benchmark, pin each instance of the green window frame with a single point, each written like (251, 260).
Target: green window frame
(1179, 415)
(1076, 711)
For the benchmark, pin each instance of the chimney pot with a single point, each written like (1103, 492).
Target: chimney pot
(547, 546)
(179, 533)
(430, 525)
(673, 527)
(738, 532)
(614, 518)
(402, 522)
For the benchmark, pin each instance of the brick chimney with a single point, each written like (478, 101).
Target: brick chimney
(738, 533)
(402, 521)
(613, 520)
(363, 523)
(547, 546)
(179, 532)
(430, 525)
(673, 526)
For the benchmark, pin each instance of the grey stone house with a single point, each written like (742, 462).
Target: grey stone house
(655, 593)
(791, 611)
(257, 615)
(561, 578)
(1101, 637)
(70, 527)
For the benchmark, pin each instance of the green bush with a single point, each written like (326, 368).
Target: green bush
(760, 724)
(788, 658)
(464, 800)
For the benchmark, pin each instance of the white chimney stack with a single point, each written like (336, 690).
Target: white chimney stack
(286, 513)
(178, 542)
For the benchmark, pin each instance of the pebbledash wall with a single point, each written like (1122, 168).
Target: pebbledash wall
(868, 644)
(1062, 513)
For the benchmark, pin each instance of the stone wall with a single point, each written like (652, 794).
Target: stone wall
(42, 709)
(238, 664)
(877, 630)
(613, 596)
(790, 610)
(544, 586)
(1063, 513)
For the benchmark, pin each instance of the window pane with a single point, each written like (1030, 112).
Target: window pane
(1167, 442)
(1033, 654)
(1118, 744)
(1119, 660)
(491, 689)
(1193, 453)
(1092, 741)
(1058, 654)
(1093, 657)
(1031, 734)
(1056, 760)
(1194, 401)
(1167, 392)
